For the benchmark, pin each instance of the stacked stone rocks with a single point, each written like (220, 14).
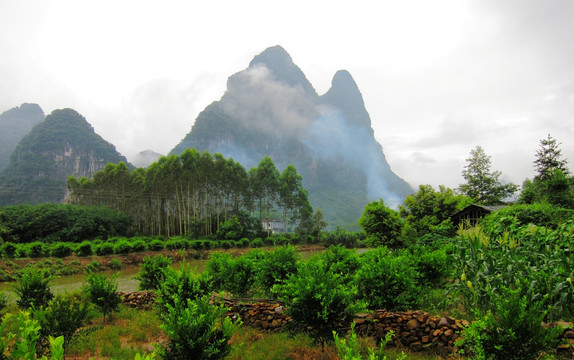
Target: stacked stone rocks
(144, 300)
(416, 330)
(262, 315)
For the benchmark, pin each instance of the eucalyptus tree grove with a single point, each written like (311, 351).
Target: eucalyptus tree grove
(193, 193)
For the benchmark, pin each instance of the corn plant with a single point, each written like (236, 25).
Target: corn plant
(535, 261)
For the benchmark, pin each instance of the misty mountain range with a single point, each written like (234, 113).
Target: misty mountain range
(271, 109)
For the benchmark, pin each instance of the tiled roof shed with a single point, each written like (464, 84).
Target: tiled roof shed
(472, 213)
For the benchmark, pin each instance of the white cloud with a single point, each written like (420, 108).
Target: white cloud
(437, 77)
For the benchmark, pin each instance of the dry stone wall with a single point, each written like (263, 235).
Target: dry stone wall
(140, 299)
(416, 330)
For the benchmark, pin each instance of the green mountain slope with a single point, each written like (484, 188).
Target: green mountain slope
(271, 109)
(63, 144)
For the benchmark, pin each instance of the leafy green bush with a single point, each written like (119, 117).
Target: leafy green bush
(230, 229)
(3, 302)
(33, 288)
(36, 249)
(317, 301)
(197, 330)
(23, 343)
(275, 267)
(104, 249)
(243, 243)
(139, 246)
(116, 264)
(183, 284)
(280, 240)
(387, 281)
(93, 266)
(350, 349)
(156, 245)
(153, 272)
(226, 244)
(176, 243)
(61, 249)
(123, 246)
(341, 261)
(433, 266)
(63, 317)
(8, 250)
(196, 244)
(348, 239)
(236, 275)
(512, 217)
(269, 241)
(256, 243)
(84, 249)
(102, 291)
(382, 225)
(512, 331)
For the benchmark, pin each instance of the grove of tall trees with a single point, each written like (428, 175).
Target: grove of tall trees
(192, 194)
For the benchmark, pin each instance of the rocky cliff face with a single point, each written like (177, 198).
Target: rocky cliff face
(64, 144)
(271, 109)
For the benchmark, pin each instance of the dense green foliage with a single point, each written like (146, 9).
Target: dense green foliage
(346, 238)
(387, 281)
(197, 329)
(33, 289)
(196, 194)
(382, 224)
(102, 291)
(275, 267)
(153, 272)
(56, 222)
(482, 184)
(341, 262)
(513, 218)
(428, 212)
(236, 275)
(22, 344)
(510, 331)
(350, 349)
(317, 301)
(183, 284)
(533, 260)
(63, 316)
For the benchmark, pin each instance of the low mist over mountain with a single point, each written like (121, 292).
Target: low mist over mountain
(145, 158)
(63, 144)
(14, 124)
(271, 109)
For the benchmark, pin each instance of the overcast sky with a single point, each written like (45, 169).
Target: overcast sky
(438, 77)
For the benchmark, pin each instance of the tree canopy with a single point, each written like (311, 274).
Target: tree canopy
(482, 184)
(426, 209)
(381, 224)
(552, 183)
(194, 193)
(548, 159)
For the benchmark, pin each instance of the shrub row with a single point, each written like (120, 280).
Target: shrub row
(121, 245)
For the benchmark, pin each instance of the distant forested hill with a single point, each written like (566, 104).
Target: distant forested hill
(14, 125)
(63, 144)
